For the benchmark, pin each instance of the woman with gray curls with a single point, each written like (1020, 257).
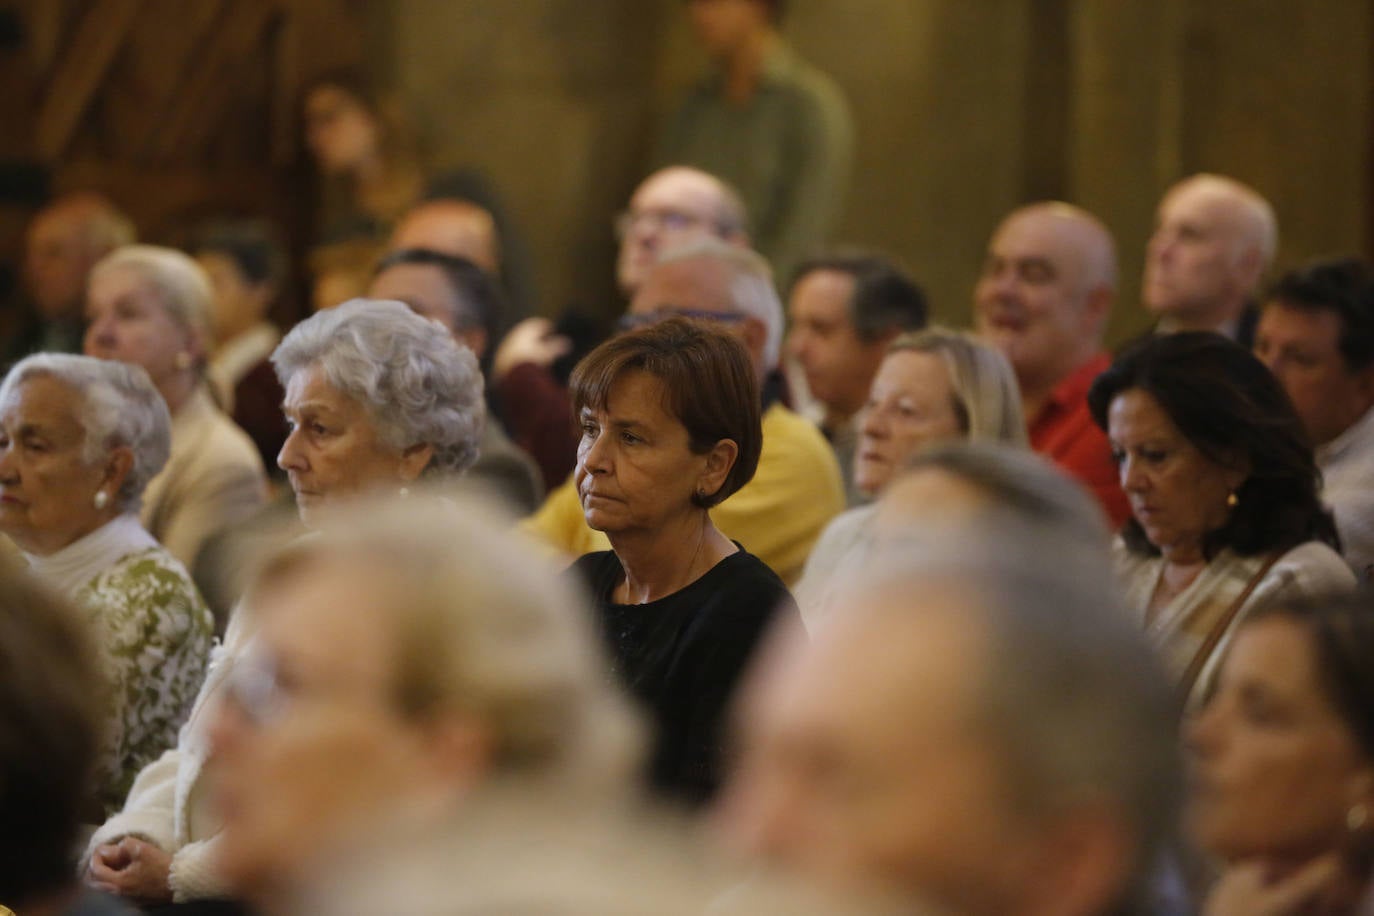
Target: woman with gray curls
(79, 440)
(376, 398)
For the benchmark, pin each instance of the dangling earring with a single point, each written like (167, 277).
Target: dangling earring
(102, 499)
(1232, 500)
(1356, 818)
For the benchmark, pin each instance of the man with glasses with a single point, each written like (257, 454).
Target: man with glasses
(797, 489)
(672, 207)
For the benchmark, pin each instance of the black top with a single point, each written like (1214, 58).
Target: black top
(682, 656)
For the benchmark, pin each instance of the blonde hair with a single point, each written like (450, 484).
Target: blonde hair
(987, 398)
(182, 287)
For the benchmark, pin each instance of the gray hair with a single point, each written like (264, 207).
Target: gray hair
(181, 285)
(1261, 226)
(119, 408)
(420, 385)
(985, 390)
(484, 626)
(751, 286)
(1072, 697)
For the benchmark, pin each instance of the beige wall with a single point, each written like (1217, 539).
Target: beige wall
(963, 110)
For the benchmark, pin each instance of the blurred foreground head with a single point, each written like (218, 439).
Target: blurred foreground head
(411, 660)
(49, 716)
(974, 725)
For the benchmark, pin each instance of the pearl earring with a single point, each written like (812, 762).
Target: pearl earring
(102, 499)
(183, 360)
(404, 492)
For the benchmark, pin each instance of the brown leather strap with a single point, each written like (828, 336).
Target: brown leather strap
(1209, 645)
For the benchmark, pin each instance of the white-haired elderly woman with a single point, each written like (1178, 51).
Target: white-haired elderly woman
(377, 398)
(151, 307)
(933, 386)
(79, 440)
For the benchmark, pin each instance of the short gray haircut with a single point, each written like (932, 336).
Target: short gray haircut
(751, 286)
(420, 386)
(1072, 697)
(181, 286)
(119, 407)
(1260, 225)
(485, 625)
(986, 394)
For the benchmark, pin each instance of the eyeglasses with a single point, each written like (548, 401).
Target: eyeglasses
(662, 220)
(629, 322)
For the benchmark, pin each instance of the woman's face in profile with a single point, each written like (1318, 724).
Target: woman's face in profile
(1275, 769)
(1177, 494)
(340, 131)
(910, 406)
(634, 470)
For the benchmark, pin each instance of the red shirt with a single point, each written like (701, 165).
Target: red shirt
(1065, 433)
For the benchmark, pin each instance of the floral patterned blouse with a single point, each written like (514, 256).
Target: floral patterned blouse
(154, 634)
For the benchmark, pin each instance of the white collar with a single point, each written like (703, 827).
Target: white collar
(1358, 436)
(70, 568)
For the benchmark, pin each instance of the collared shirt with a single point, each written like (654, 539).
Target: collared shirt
(237, 357)
(1347, 466)
(1064, 432)
(787, 151)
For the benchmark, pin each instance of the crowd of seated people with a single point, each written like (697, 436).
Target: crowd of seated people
(712, 614)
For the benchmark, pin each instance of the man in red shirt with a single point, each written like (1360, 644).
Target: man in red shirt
(1043, 299)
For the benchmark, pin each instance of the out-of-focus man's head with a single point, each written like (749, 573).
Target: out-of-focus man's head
(64, 242)
(1046, 290)
(408, 656)
(457, 228)
(1214, 238)
(726, 27)
(450, 289)
(50, 694)
(670, 208)
(973, 725)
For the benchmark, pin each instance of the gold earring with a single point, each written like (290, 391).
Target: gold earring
(1232, 500)
(183, 360)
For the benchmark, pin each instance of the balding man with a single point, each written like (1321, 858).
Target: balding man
(457, 228)
(672, 207)
(1213, 241)
(63, 243)
(1043, 300)
(797, 489)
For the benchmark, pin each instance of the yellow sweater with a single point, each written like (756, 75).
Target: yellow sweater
(777, 516)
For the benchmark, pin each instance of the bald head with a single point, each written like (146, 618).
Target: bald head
(457, 228)
(672, 207)
(1214, 238)
(1046, 290)
(64, 242)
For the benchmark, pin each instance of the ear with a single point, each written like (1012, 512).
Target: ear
(414, 460)
(475, 339)
(1249, 267)
(1364, 383)
(1086, 860)
(1096, 308)
(119, 463)
(457, 749)
(755, 335)
(719, 461)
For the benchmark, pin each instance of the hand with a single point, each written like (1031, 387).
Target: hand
(131, 868)
(530, 341)
(1245, 891)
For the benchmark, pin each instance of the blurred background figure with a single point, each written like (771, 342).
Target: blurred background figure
(779, 514)
(461, 296)
(973, 726)
(1214, 239)
(416, 675)
(670, 427)
(768, 123)
(79, 440)
(64, 241)
(374, 165)
(246, 266)
(1316, 334)
(933, 386)
(844, 308)
(1224, 496)
(1283, 758)
(50, 692)
(151, 307)
(1043, 299)
(376, 399)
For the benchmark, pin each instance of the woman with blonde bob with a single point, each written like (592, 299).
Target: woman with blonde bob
(933, 386)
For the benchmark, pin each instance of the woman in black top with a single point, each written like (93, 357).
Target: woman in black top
(670, 419)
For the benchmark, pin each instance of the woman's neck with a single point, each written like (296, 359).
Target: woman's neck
(667, 560)
(176, 389)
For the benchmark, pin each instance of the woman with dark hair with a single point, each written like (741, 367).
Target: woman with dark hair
(1223, 491)
(671, 426)
(1283, 755)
